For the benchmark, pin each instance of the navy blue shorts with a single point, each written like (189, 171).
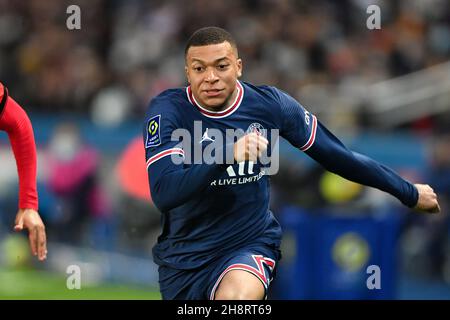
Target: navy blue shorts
(202, 283)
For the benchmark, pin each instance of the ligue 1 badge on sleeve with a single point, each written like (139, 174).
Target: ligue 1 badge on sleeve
(153, 132)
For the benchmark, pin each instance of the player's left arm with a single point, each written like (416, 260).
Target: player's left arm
(330, 152)
(14, 120)
(303, 130)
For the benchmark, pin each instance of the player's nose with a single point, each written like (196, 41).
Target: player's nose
(211, 75)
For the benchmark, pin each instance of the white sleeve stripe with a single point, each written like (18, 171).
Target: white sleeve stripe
(312, 137)
(163, 154)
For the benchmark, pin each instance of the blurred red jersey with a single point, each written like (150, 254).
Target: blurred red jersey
(14, 120)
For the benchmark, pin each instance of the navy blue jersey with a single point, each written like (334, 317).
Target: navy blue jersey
(210, 209)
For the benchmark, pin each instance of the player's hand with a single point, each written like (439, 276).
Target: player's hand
(427, 201)
(30, 219)
(250, 147)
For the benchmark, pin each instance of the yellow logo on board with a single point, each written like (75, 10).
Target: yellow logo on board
(351, 252)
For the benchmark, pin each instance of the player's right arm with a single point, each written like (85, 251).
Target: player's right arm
(171, 184)
(14, 120)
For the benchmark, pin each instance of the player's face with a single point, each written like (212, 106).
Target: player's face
(212, 72)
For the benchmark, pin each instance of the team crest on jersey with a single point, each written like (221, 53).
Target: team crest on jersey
(153, 132)
(257, 128)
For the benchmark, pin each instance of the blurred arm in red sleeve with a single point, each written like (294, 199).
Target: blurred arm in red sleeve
(14, 120)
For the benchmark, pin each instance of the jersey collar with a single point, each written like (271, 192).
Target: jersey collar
(217, 114)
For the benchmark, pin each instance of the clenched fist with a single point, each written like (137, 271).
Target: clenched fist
(250, 147)
(427, 201)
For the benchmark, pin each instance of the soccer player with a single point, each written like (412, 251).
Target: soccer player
(16, 123)
(219, 239)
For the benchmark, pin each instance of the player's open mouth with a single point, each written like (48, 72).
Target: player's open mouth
(213, 92)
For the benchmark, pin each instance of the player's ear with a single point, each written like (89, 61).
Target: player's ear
(187, 74)
(239, 67)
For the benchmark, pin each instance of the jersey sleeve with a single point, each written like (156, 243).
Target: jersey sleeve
(298, 125)
(171, 182)
(304, 131)
(14, 120)
(3, 98)
(337, 158)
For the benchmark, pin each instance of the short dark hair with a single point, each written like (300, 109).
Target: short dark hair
(209, 35)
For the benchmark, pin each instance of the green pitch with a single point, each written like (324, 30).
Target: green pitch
(40, 285)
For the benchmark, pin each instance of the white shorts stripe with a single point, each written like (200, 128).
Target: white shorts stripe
(259, 272)
(238, 266)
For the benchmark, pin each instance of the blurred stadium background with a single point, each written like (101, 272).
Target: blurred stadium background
(385, 92)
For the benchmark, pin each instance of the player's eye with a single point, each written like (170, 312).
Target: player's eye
(223, 66)
(198, 69)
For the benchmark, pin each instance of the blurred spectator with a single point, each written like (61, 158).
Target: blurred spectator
(139, 230)
(79, 199)
(440, 180)
(426, 239)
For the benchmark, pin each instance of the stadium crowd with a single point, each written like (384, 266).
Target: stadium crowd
(128, 51)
